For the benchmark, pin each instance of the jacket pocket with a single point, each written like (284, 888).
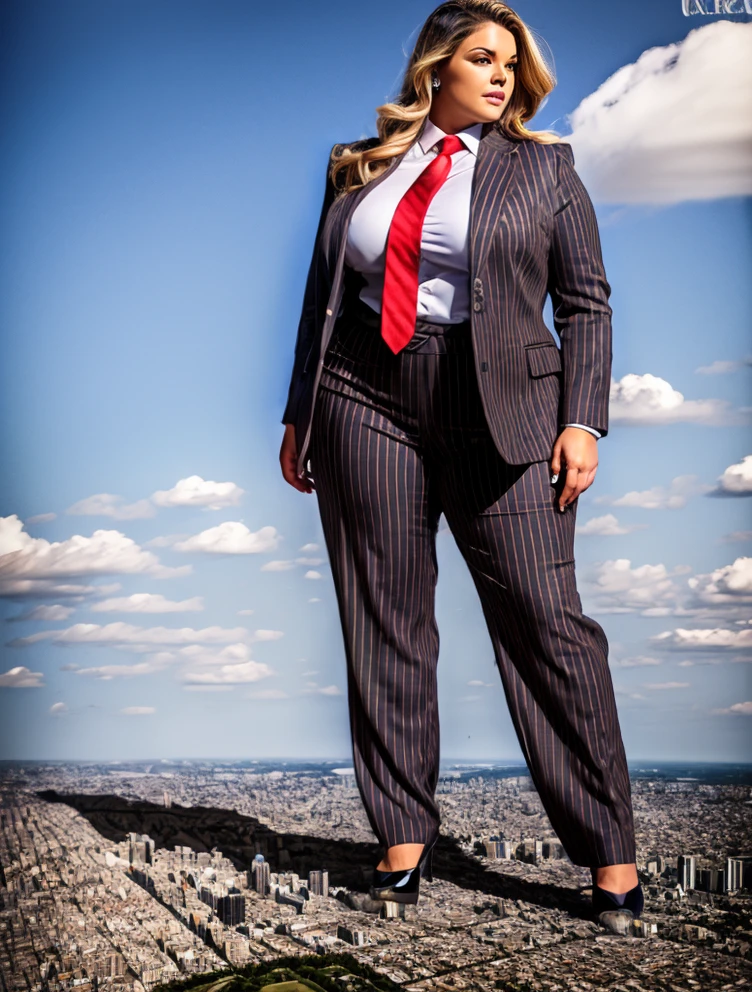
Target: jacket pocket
(543, 358)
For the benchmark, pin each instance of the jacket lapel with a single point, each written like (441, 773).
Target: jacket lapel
(493, 172)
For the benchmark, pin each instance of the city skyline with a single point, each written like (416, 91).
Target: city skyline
(110, 881)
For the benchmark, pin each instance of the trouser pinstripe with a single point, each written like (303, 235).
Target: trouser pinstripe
(395, 441)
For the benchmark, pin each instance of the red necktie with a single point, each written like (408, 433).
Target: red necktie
(399, 304)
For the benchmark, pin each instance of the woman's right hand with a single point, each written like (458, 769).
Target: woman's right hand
(288, 459)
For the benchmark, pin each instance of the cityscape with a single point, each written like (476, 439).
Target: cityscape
(133, 875)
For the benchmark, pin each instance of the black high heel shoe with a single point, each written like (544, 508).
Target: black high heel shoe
(404, 886)
(623, 913)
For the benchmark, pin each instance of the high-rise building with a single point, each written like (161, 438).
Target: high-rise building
(355, 937)
(261, 874)
(710, 880)
(231, 909)
(140, 849)
(685, 871)
(318, 882)
(739, 872)
(499, 849)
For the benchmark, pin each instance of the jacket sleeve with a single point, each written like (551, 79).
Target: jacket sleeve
(307, 323)
(579, 294)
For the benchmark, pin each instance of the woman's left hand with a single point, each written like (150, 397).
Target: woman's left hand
(578, 449)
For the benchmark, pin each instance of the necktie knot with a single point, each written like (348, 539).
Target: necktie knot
(450, 144)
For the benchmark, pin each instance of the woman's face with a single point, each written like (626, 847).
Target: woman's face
(477, 81)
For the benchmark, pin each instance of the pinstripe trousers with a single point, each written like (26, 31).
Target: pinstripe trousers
(395, 441)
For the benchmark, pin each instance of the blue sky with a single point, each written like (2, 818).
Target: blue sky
(162, 175)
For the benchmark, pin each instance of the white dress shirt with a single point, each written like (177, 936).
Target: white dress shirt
(444, 268)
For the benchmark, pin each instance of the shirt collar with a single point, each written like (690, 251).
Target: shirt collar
(431, 134)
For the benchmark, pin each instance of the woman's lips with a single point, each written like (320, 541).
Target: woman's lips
(495, 98)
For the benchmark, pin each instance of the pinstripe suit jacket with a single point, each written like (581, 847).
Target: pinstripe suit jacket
(532, 232)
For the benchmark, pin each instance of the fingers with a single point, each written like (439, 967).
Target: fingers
(302, 482)
(556, 461)
(576, 448)
(288, 460)
(576, 482)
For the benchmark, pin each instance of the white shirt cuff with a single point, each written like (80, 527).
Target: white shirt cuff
(585, 428)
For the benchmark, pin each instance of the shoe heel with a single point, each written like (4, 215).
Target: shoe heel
(426, 861)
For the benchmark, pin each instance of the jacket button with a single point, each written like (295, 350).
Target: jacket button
(478, 284)
(477, 306)
(484, 366)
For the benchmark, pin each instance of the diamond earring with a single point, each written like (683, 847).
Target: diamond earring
(435, 82)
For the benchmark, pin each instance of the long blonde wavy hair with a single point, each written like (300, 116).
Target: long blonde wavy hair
(399, 122)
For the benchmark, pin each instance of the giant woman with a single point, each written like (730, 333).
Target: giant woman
(425, 381)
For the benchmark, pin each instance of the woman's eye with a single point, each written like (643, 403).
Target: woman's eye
(485, 58)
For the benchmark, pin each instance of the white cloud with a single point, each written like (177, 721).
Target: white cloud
(53, 612)
(737, 709)
(736, 480)
(138, 710)
(619, 588)
(25, 559)
(638, 661)
(195, 491)
(736, 536)
(200, 654)
(46, 588)
(106, 673)
(730, 584)
(724, 367)
(630, 693)
(192, 491)
(246, 671)
(312, 574)
(41, 518)
(21, 678)
(266, 635)
(704, 639)
(666, 685)
(146, 602)
(309, 547)
(606, 526)
(246, 613)
(109, 505)
(675, 125)
(198, 663)
(136, 638)
(58, 709)
(312, 688)
(480, 682)
(648, 399)
(671, 497)
(231, 538)
(277, 566)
